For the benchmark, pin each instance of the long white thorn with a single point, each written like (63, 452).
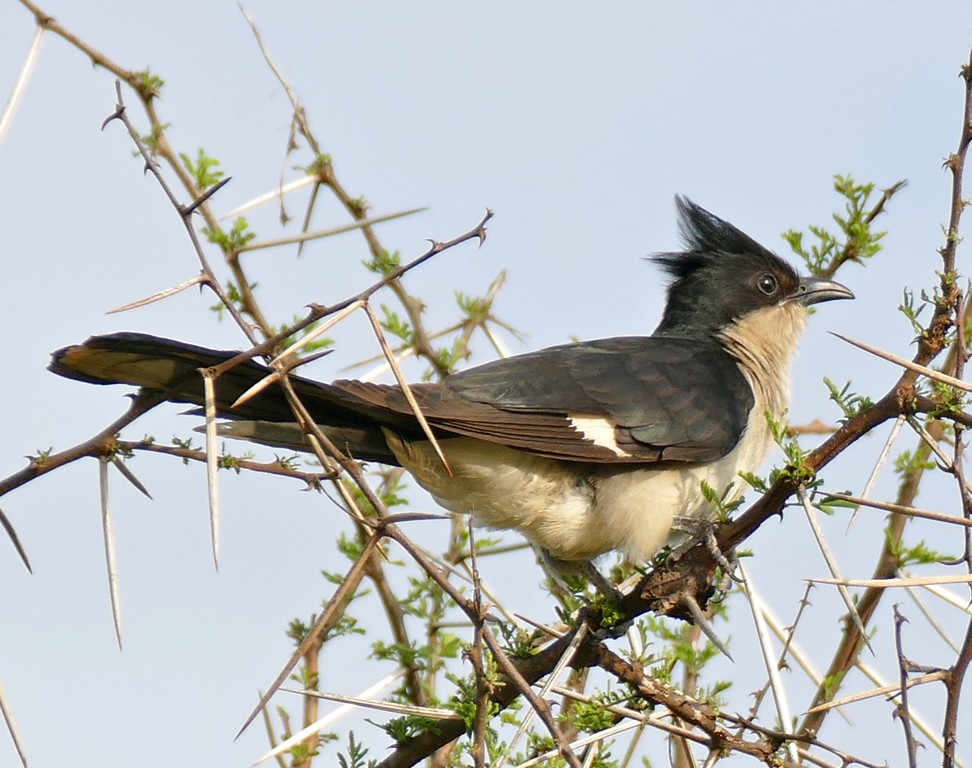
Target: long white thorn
(7, 714)
(879, 465)
(305, 237)
(350, 702)
(109, 539)
(269, 197)
(832, 566)
(212, 465)
(6, 119)
(931, 373)
(143, 302)
(783, 712)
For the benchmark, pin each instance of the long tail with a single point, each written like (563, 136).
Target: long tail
(352, 413)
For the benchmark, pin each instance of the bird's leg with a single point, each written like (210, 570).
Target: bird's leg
(559, 570)
(703, 529)
(602, 584)
(727, 562)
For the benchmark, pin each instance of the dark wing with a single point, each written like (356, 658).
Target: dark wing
(664, 398)
(650, 399)
(623, 400)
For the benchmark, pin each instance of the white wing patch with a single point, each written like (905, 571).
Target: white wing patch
(598, 430)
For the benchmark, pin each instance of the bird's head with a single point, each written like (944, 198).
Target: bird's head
(723, 275)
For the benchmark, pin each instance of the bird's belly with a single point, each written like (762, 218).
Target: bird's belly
(574, 511)
(640, 506)
(505, 488)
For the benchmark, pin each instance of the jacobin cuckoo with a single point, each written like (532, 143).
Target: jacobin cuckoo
(583, 448)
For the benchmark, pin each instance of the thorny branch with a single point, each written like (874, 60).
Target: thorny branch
(851, 252)
(323, 170)
(659, 591)
(145, 87)
(903, 712)
(950, 311)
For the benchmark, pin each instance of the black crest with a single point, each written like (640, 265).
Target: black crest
(712, 279)
(706, 238)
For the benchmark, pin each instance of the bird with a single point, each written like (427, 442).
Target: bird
(583, 448)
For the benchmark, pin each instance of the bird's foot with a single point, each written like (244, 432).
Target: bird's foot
(703, 529)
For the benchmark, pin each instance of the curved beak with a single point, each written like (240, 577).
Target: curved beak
(814, 290)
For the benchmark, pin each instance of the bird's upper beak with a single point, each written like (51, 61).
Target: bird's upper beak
(813, 290)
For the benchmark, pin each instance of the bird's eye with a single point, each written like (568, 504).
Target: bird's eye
(766, 283)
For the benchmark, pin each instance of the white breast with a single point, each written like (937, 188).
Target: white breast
(640, 506)
(561, 506)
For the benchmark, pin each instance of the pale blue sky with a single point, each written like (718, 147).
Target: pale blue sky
(576, 123)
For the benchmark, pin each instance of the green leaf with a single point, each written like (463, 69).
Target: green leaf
(204, 169)
(396, 326)
(384, 263)
(232, 240)
(850, 404)
(147, 84)
(355, 755)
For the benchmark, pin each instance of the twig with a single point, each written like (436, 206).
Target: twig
(566, 658)
(904, 714)
(323, 171)
(900, 509)
(537, 703)
(278, 467)
(926, 730)
(185, 213)
(332, 611)
(884, 690)
(318, 312)
(93, 446)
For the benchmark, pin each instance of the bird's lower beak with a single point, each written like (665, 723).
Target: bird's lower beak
(813, 290)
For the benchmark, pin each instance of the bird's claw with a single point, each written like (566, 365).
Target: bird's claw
(702, 529)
